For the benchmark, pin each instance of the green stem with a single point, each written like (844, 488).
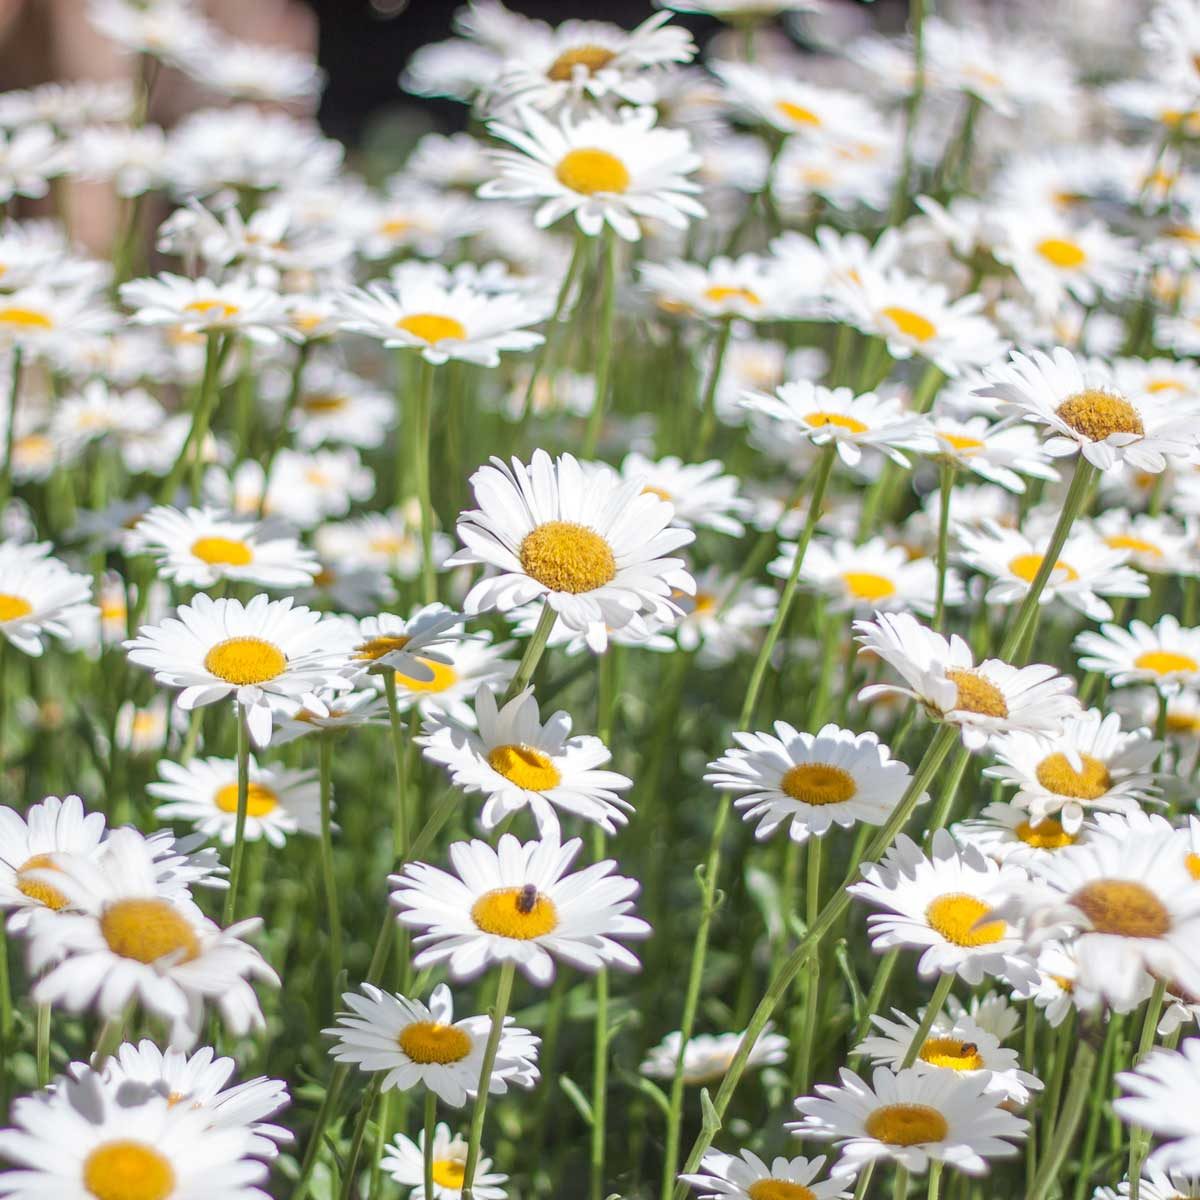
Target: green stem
(916, 18)
(202, 404)
(864, 1181)
(599, 1086)
(1077, 1094)
(935, 1179)
(1062, 1046)
(400, 763)
(239, 828)
(360, 1132)
(932, 1011)
(812, 996)
(708, 419)
(333, 910)
(10, 431)
(427, 1144)
(110, 1036)
(316, 1137)
(424, 424)
(900, 1183)
(534, 649)
(281, 434)
(943, 543)
(607, 263)
(43, 1044)
(499, 1011)
(1139, 1143)
(539, 364)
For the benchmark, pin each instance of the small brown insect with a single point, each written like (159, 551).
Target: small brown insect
(968, 1049)
(527, 898)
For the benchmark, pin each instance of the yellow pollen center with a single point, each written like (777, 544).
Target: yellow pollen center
(1192, 862)
(508, 912)
(25, 318)
(35, 889)
(1123, 907)
(951, 1053)
(449, 1173)
(1047, 834)
(911, 324)
(260, 799)
(906, 1125)
(444, 677)
(720, 293)
(390, 543)
(567, 557)
(589, 171)
(147, 930)
(779, 1189)
(375, 648)
(960, 442)
(144, 723)
(1057, 775)
(216, 310)
(959, 919)
(1026, 567)
(796, 113)
(1098, 414)
(245, 660)
(1122, 541)
(219, 551)
(1165, 662)
(591, 58)
(432, 328)
(395, 226)
(127, 1170)
(526, 767)
(863, 585)
(818, 784)
(430, 1042)
(323, 402)
(1062, 253)
(818, 420)
(977, 694)
(12, 607)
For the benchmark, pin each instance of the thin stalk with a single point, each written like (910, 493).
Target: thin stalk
(900, 1183)
(1139, 1143)
(883, 976)
(360, 1132)
(10, 430)
(946, 490)
(864, 1181)
(1062, 1045)
(812, 997)
(599, 1086)
(332, 908)
(424, 425)
(316, 1137)
(43, 1044)
(708, 405)
(607, 264)
(1077, 1094)
(916, 18)
(280, 438)
(499, 1011)
(202, 404)
(400, 762)
(239, 829)
(534, 649)
(427, 1141)
(935, 1179)
(578, 253)
(111, 1033)
(932, 1011)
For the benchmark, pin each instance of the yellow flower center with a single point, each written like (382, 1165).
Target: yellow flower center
(25, 318)
(796, 113)
(390, 543)
(589, 171)
(818, 784)
(127, 1170)
(144, 723)
(219, 551)
(1122, 541)
(518, 913)
(395, 226)
(911, 324)
(526, 767)
(818, 420)
(1097, 414)
(1047, 834)
(245, 660)
(977, 694)
(862, 585)
(444, 677)
(260, 799)
(1165, 662)
(951, 1053)
(779, 1189)
(146, 930)
(1123, 907)
(959, 919)
(567, 557)
(216, 310)
(966, 446)
(591, 58)
(661, 493)
(1057, 775)
(719, 293)
(432, 328)
(1192, 862)
(430, 1042)
(323, 402)
(1026, 567)
(449, 1173)
(12, 607)
(375, 648)
(906, 1125)
(35, 889)
(1062, 253)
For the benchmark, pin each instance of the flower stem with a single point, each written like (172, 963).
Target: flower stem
(864, 1181)
(932, 1011)
(499, 1011)
(916, 18)
(277, 442)
(427, 1144)
(943, 542)
(205, 400)
(370, 1096)
(708, 419)
(607, 264)
(316, 1135)
(43, 1044)
(539, 364)
(333, 910)
(534, 649)
(400, 763)
(239, 827)
(424, 423)
(1138, 1141)
(935, 1180)
(900, 1183)
(1077, 1094)
(10, 430)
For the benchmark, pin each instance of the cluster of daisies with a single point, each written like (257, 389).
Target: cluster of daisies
(406, 584)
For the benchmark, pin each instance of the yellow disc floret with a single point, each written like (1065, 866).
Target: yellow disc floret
(428, 1042)
(567, 557)
(959, 918)
(219, 551)
(1056, 774)
(245, 660)
(906, 1125)
(951, 1053)
(818, 784)
(35, 889)
(1123, 907)
(127, 1170)
(591, 58)
(519, 913)
(525, 766)
(590, 171)
(433, 328)
(260, 799)
(12, 607)
(147, 930)
(977, 694)
(1096, 414)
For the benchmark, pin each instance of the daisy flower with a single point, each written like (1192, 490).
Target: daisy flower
(423, 1044)
(1158, 544)
(201, 546)
(1159, 1097)
(389, 541)
(724, 616)
(1091, 765)
(124, 940)
(267, 654)
(702, 497)
(204, 306)
(204, 793)
(29, 159)
(516, 761)
(1056, 990)
(404, 1161)
(785, 103)
(516, 903)
(707, 1056)
(42, 597)
(941, 904)
(413, 648)
(1155, 1184)
(749, 288)
(462, 668)
(810, 781)
(618, 170)
(1083, 413)
(1166, 655)
(590, 544)
(998, 453)
(957, 1044)
(347, 711)
(83, 1140)
(745, 1176)
(910, 1117)
(982, 699)
(336, 405)
(1007, 833)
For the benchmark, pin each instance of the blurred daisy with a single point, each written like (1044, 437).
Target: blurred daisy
(998, 453)
(414, 647)
(749, 288)
(203, 306)
(147, 729)
(1056, 990)
(707, 1056)
(204, 793)
(724, 616)
(516, 903)
(388, 541)
(1155, 544)
(791, 106)
(590, 544)
(348, 710)
(516, 761)
(41, 596)
(404, 1161)
(419, 1044)
(1159, 1094)
(1166, 655)
(702, 497)
(462, 667)
(748, 1177)
(810, 781)
(1155, 1184)
(1006, 833)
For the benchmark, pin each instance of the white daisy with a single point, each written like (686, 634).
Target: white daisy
(419, 1044)
(41, 596)
(462, 668)
(1155, 1184)
(702, 497)
(1160, 1095)
(749, 288)
(790, 105)
(1056, 990)
(591, 545)
(414, 648)
(723, 619)
(998, 453)
(707, 1056)
(204, 306)
(404, 1161)
(388, 541)
(1007, 833)
(517, 904)
(349, 710)
(1155, 544)
(748, 1177)
(810, 781)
